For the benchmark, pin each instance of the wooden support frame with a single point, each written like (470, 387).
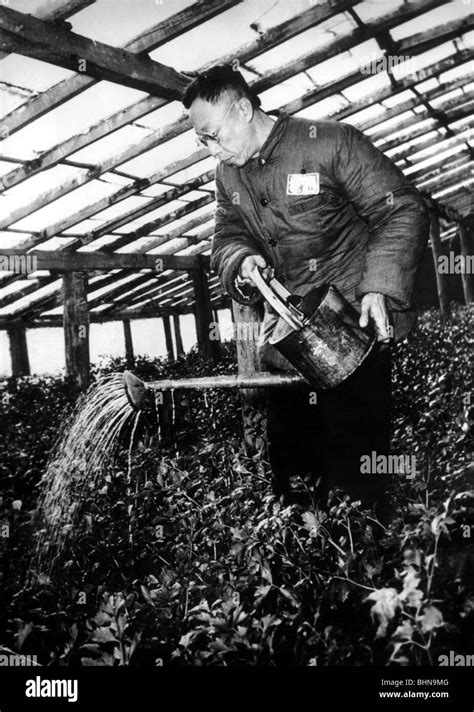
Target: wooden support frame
(168, 337)
(20, 362)
(207, 338)
(466, 240)
(76, 327)
(247, 323)
(163, 32)
(436, 249)
(52, 12)
(178, 336)
(128, 339)
(52, 43)
(93, 261)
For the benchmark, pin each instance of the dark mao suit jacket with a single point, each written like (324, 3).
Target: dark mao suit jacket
(321, 204)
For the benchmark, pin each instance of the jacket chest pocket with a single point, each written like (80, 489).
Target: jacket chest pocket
(301, 204)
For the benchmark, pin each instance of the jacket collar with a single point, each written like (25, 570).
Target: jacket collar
(273, 138)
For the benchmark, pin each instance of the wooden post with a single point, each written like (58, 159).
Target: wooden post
(441, 281)
(127, 333)
(19, 351)
(247, 324)
(466, 239)
(177, 336)
(76, 326)
(208, 341)
(168, 337)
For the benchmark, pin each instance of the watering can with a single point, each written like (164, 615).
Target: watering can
(319, 334)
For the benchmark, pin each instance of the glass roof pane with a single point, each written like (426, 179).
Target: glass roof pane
(73, 117)
(167, 153)
(66, 205)
(439, 16)
(229, 31)
(308, 41)
(116, 23)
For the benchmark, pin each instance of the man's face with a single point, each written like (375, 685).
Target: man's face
(228, 120)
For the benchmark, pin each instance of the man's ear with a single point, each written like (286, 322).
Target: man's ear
(246, 109)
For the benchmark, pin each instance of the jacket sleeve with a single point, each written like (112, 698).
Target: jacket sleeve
(394, 211)
(231, 243)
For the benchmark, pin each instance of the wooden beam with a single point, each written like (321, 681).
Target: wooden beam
(127, 334)
(168, 337)
(26, 289)
(466, 240)
(121, 194)
(177, 336)
(437, 251)
(407, 148)
(434, 36)
(19, 351)
(92, 261)
(53, 299)
(206, 337)
(52, 43)
(52, 12)
(344, 44)
(447, 178)
(76, 327)
(112, 225)
(180, 233)
(158, 223)
(137, 295)
(452, 110)
(437, 161)
(437, 92)
(433, 71)
(52, 156)
(315, 15)
(331, 88)
(450, 168)
(79, 179)
(99, 317)
(247, 323)
(163, 32)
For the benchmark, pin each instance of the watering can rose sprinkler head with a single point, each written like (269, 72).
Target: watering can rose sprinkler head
(135, 390)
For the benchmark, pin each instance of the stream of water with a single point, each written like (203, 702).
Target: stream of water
(87, 443)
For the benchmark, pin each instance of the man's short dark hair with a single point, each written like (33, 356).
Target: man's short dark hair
(213, 83)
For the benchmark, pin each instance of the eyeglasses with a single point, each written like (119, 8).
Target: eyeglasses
(204, 139)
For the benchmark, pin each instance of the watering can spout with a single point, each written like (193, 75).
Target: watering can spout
(135, 390)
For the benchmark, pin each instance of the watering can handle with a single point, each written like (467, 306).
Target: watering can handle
(276, 295)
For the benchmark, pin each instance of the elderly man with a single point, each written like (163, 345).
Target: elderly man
(313, 202)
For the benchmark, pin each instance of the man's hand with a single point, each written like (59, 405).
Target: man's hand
(373, 305)
(247, 267)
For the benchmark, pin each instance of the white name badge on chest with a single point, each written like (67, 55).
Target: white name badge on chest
(302, 184)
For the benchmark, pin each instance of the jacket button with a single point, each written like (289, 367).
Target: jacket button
(261, 161)
(272, 242)
(263, 201)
